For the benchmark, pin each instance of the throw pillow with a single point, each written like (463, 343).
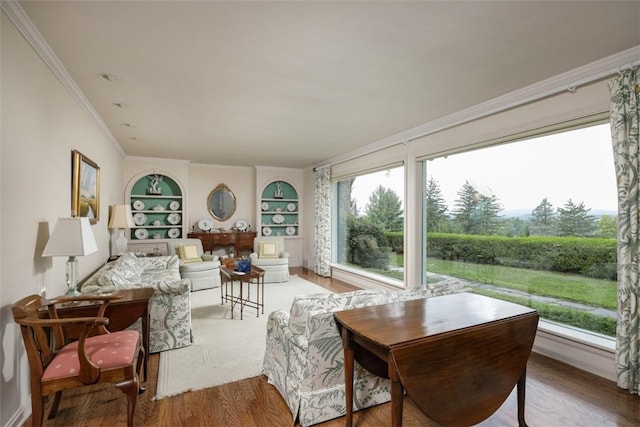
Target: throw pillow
(189, 253)
(268, 250)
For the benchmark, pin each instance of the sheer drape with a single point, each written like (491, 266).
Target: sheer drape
(625, 118)
(322, 226)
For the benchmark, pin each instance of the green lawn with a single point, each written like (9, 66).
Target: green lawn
(570, 287)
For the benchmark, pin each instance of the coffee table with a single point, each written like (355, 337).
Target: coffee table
(255, 276)
(457, 356)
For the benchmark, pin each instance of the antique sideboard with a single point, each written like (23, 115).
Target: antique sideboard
(240, 240)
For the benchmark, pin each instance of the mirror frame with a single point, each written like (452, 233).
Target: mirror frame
(222, 196)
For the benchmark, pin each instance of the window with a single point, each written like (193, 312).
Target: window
(533, 222)
(370, 222)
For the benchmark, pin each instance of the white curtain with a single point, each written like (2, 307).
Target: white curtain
(322, 224)
(625, 128)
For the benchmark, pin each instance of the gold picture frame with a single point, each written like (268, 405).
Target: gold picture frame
(85, 187)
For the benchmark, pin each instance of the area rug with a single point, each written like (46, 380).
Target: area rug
(224, 349)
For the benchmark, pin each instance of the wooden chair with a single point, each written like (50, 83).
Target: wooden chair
(97, 357)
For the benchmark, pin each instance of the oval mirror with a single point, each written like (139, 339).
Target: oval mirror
(221, 203)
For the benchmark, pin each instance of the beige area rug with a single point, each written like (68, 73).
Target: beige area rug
(224, 349)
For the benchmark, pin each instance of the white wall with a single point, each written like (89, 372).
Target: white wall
(41, 124)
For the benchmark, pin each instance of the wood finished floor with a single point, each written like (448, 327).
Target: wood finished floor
(557, 396)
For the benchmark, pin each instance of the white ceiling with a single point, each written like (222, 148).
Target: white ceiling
(292, 84)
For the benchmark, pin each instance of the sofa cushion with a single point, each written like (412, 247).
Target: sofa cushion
(125, 273)
(304, 307)
(189, 253)
(268, 250)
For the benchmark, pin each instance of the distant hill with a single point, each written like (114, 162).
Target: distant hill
(526, 213)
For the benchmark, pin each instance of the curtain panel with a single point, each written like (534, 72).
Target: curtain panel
(322, 223)
(625, 123)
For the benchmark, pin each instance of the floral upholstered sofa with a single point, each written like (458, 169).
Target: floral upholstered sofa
(304, 358)
(170, 305)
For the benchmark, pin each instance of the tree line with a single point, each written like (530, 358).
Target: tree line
(476, 212)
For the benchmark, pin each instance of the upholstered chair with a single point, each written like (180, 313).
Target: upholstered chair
(269, 254)
(202, 269)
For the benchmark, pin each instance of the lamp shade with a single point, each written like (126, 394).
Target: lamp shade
(121, 217)
(71, 237)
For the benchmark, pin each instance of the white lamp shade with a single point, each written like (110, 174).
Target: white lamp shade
(121, 217)
(71, 237)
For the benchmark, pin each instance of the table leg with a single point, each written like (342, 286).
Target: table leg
(241, 300)
(348, 375)
(397, 396)
(145, 338)
(261, 279)
(521, 399)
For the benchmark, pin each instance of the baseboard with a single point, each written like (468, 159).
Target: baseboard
(18, 418)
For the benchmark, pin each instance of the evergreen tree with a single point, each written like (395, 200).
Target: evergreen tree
(574, 220)
(607, 227)
(544, 219)
(476, 213)
(436, 207)
(384, 209)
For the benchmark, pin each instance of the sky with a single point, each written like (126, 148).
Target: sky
(576, 165)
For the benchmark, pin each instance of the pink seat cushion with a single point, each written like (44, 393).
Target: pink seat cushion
(106, 351)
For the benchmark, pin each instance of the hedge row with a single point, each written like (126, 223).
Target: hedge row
(582, 255)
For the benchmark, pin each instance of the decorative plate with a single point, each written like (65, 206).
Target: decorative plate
(242, 224)
(157, 208)
(138, 205)
(173, 233)
(139, 219)
(291, 207)
(205, 224)
(290, 231)
(278, 219)
(141, 233)
(173, 218)
(266, 231)
(265, 206)
(175, 205)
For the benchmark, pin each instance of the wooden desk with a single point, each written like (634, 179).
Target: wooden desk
(457, 356)
(240, 240)
(256, 275)
(122, 313)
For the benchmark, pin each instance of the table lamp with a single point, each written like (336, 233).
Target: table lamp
(120, 219)
(71, 237)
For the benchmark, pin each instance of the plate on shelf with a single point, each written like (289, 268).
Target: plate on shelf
(138, 205)
(266, 231)
(290, 231)
(205, 224)
(277, 219)
(173, 233)
(139, 219)
(141, 233)
(265, 206)
(175, 205)
(157, 208)
(173, 218)
(291, 207)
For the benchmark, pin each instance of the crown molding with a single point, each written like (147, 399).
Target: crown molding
(565, 82)
(21, 21)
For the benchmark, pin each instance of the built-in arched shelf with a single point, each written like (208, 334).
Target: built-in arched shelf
(279, 210)
(157, 205)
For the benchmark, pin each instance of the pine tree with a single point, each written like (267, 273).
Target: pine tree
(436, 207)
(384, 209)
(574, 220)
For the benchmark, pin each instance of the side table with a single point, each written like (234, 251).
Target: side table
(228, 276)
(122, 313)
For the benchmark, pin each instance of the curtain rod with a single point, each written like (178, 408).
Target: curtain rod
(487, 108)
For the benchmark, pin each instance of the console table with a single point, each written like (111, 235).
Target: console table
(240, 240)
(457, 356)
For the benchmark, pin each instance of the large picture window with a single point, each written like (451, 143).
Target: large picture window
(533, 222)
(370, 222)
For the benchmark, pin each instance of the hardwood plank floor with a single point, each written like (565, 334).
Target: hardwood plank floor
(558, 395)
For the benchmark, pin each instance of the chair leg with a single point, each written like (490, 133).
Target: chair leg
(37, 409)
(56, 402)
(140, 371)
(130, 388)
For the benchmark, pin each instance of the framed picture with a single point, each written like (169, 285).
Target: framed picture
(85, 187)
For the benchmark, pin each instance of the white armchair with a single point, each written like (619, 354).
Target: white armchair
(269, 254)
(203, 270)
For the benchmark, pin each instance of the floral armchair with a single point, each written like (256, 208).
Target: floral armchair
(304, 358)
(170, 305)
